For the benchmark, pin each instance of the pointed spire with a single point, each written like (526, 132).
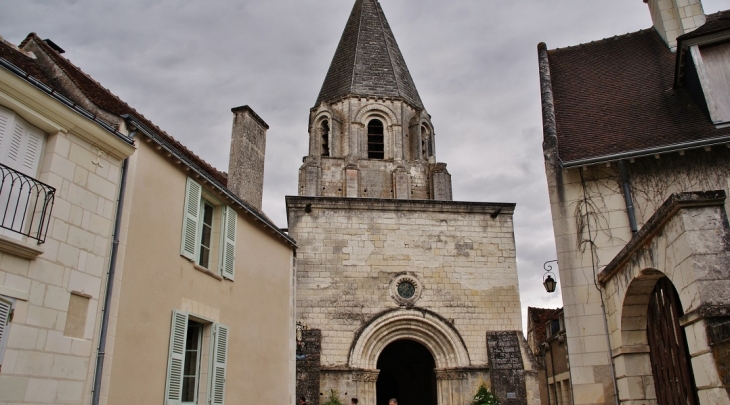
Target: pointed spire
(367, 61)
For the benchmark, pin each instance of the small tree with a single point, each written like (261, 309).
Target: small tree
(334, 398)
(484, 397)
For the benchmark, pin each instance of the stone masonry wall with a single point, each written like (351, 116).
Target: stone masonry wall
(506, 367)
(308, 367)
(351, 250)
(588, 209)
(41, 363)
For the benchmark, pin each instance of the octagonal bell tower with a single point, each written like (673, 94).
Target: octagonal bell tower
(369, 133)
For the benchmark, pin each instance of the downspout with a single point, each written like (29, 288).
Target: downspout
(627, 196)
(544, 348)
(96, 393)
(555, 383)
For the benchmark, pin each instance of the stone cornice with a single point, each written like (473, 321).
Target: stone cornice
(383, 204)
(655, 224)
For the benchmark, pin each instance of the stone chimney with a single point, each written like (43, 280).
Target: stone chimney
(248, 149)
(673, 18)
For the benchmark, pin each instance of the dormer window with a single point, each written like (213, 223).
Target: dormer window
(376, 142)
(325, 138)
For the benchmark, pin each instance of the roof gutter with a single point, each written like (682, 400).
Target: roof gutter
(70, 104)
(195, 168)
(646, 152)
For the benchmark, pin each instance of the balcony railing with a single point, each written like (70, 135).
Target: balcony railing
(25, 204)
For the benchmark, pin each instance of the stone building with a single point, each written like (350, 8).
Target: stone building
(150, 285)
(636, 132)
(405, 292)
(547, 340)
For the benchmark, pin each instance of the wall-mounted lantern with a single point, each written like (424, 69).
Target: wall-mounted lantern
(548, 280)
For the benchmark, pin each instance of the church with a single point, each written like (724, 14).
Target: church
(402, 292)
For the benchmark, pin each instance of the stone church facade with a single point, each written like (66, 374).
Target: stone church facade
(402, 292)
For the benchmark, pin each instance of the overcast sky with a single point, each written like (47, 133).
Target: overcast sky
(185, 63)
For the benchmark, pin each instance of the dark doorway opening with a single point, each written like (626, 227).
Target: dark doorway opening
(406, 373)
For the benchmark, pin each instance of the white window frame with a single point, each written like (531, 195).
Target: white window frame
(195, 198)
(7, 305)
(217, 364)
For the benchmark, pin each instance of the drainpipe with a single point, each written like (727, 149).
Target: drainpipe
(96, 393)
(627, 196)
(544, 348)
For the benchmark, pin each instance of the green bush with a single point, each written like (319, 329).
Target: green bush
(484, 397)
(334, 398)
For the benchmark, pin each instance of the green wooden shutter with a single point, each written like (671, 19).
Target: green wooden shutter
(220, 354)
(189, 244)
(176, 360)
(5, 308)
(228, 264)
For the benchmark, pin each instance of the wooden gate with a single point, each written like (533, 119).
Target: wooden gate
(670, 359)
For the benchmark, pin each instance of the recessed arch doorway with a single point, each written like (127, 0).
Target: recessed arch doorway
(407, 372)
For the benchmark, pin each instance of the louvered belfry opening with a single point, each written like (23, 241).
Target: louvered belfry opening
(325, 130)
(376, 144)
(670, 359)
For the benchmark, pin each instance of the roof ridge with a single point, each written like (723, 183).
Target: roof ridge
(603, 40)
(385, 39)
(60, 60)
(357, 44)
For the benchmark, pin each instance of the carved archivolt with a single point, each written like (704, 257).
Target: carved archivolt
(376, 108)
(440, 338)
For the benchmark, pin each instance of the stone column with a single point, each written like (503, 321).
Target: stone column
(366, 381)
(450, 387)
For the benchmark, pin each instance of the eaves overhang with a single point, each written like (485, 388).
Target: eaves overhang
(639, 153)
(223, 190)
(24, 92)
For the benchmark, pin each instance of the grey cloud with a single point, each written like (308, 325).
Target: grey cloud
(184, 64)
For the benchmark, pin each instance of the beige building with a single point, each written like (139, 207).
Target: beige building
(405, 292)
(636, 132)
(199, 306)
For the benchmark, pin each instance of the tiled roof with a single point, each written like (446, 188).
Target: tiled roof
(94, 91)
(717, 22)
(616, 96)
(539, 317)
(367, 61)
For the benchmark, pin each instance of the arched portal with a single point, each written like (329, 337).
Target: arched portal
(419, 328)
(407, 372)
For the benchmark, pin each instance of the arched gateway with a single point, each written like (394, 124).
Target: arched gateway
(417, 336)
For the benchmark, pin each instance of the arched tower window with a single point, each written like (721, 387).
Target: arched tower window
(325, 131)
(426, 149)
(376, 142)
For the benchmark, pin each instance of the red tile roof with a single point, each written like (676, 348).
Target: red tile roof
(95, 92)
(539, 317)
(616, 96)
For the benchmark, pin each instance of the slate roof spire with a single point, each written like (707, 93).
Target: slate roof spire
(367, 61)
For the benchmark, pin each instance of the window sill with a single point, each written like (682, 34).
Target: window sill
(206, 271)
(20, 248)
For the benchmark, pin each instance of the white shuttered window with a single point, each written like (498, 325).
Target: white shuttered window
(220, 361)
(180, 360)
(6, 308)
(203, 221)
(21, 145)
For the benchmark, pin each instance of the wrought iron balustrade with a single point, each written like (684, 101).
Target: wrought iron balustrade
(25, 204)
